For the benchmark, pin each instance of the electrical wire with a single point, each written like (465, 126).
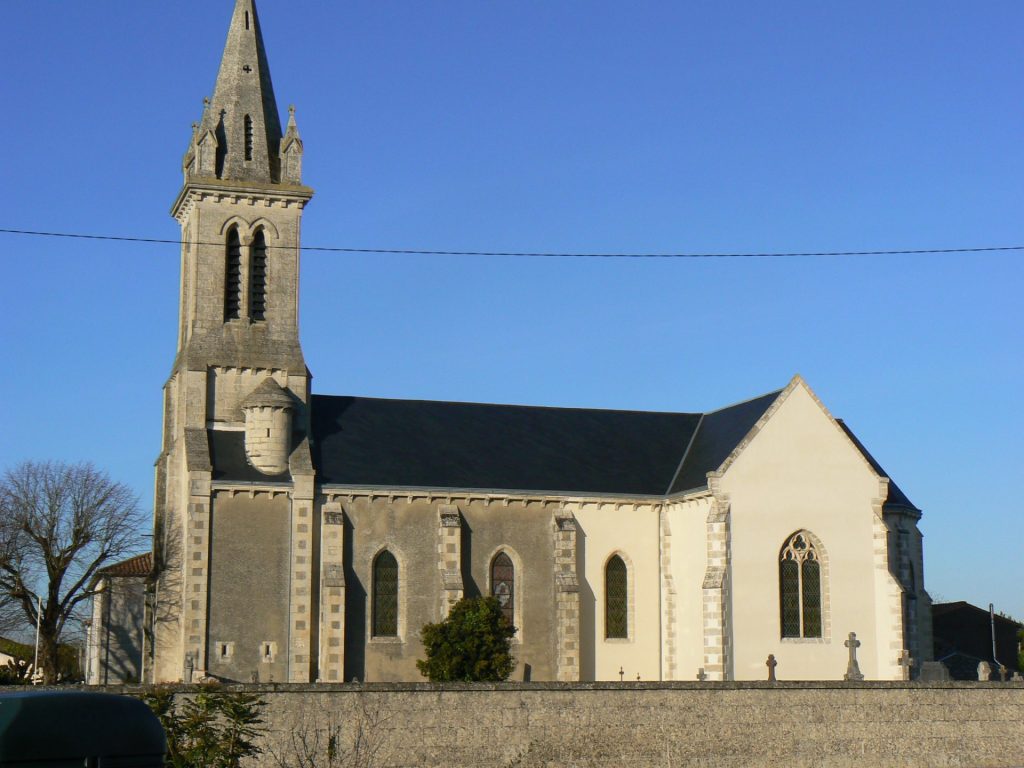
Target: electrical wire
(542, 254)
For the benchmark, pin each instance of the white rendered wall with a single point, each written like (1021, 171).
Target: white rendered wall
(801, 472)
(632, 533)
(688, 562)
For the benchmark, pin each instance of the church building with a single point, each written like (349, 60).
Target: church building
(303, 537)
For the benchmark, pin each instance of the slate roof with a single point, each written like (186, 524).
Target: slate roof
(896, 497)
(227, 454)
(380, 443)
(422, 444)
(140, 565)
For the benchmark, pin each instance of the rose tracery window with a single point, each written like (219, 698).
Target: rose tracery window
(800, 587)
(503, 585)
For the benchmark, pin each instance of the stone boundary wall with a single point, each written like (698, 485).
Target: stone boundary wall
(646, 725)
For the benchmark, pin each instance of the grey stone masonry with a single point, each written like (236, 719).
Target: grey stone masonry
(332, 594)
(715, 586)
(449, 556)
(567, 599)
(655, 725)
(301, 651)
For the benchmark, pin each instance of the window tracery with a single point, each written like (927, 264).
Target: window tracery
(800, 587)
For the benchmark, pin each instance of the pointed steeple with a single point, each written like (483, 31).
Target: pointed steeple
(243, 111)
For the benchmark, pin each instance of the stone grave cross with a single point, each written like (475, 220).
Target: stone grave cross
(702, 675)
(906, 663)
(771, 664)
(853, 668)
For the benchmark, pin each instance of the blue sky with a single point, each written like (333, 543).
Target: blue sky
(552, 126)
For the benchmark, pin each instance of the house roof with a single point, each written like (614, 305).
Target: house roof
(140, 565)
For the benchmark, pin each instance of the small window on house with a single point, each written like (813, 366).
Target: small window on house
(385, 595)
(800, 588)
(503, 585)
(267, 652)
(258, 278)
(248, 137)
(233, 277)
(615, 599)
(225, 651)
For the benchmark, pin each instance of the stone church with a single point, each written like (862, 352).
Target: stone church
(303, 537)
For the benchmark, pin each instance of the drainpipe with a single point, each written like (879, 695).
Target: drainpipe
(992, 626)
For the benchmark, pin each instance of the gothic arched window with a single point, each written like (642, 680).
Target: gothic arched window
(385, 595)
(503, 585)
(258, 278)
(233, 276)
(616, 600)
(800, 587)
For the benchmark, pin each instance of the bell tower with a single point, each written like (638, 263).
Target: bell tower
(238, 360)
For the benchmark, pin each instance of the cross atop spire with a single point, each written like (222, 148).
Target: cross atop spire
(243, 115)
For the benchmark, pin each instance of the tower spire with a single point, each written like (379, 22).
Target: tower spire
(243, 111)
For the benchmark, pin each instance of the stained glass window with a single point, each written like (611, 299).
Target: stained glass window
(800, 588)
(233, 277)
(385, 595)
(258, 278)
(616, 599)
(811, 583)
(789, 576)
(503, 585)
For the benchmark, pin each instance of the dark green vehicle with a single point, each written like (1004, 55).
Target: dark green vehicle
(56, 729)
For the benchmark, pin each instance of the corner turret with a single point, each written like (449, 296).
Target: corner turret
(268, 427)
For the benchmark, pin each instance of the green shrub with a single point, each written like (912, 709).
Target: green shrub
(472, 644)
(212, 729)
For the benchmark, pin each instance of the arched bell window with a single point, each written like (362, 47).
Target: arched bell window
(800, 587)
(233, 276)
(616, 599)
(258, 278)
(385, 595)
(503, 585)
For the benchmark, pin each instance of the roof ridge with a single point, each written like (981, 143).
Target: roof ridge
(775, 392)
(686, 453)
(514, 405)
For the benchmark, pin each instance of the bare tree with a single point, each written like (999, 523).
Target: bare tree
(59, 525)
(319, 738)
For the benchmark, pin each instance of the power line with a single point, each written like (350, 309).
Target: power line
(543, 254)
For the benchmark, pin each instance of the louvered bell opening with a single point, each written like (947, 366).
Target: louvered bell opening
(258, 279)
(233, 277)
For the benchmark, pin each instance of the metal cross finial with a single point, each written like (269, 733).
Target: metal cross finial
(621, 673)
(771, 664)
(906, 662)
(853, 668)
